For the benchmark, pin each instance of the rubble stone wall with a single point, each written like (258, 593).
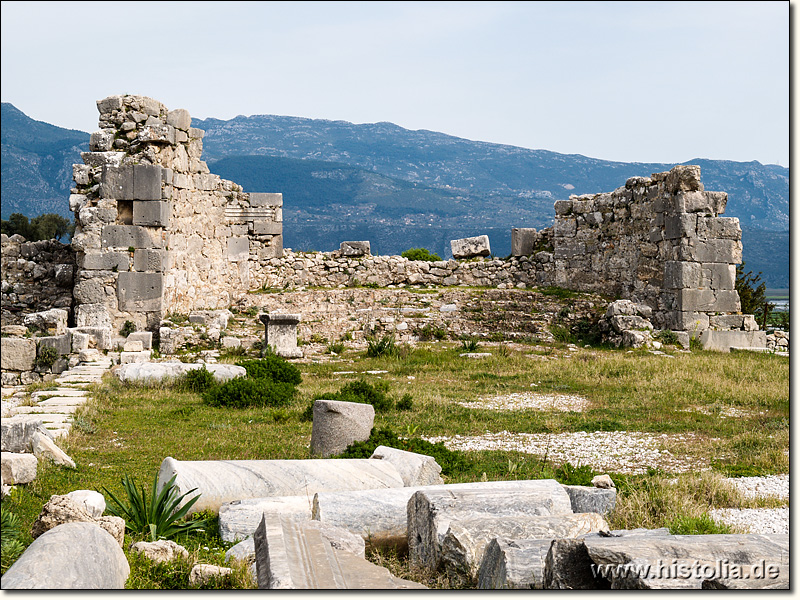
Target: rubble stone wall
(156, 231)
(36, 276)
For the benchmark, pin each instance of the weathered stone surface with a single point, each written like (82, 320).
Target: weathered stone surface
(93, 502)
(603, 482)
(466, 538)
(53, 321)
(19, 354)
(18, 431)
(292, 555)
(430, 512)
(240, 518)
(148, 373)
(201, 574)
(18, 468)
(415, 469)
(723, 341)
(62, 344)
(44, 447)
(79, 556)
(661, 553)
(63, 509)
(151, 214)
(160, 551)
(470, 247)
(262, 199)
(218, 482)
(280, 332)
(145, 337)
(622, 323)
(513, 564)
(353, 249)
(591, 499)
(523, 241)
(128, 236)
(140, 291)
(337, 424)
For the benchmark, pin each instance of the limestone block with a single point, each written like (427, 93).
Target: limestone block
(722, 276)
(179, 118)
(63, 509)
(632, 338)
(415, 469)
(133, 346)
(78, 556)
(90, 291)
(568, 248)
(719, 228)
(681, 274)
(109, 104)
(218, 482)
(162, 371)
(117, 182)
(339, 538)
(513, 564)
(202, 574)
(562, 207)
(140, 291)
(337, 424)
(353, 249)
(99, 336)
(151, 214)
(150, 260)
(135, 356)
(280, 332)
(622, 323)
(18, 432)
(523, 241)
(718, 251)
(238, 249)
(293, 555)
(128, 236)
(258, 199)
(683, 178)
(101, 141)
(229, 341)
(683, 551)
(54, 319)
(145, 337)
(101, 159)
(93, 502)
(470, 247)
(18, 468)
(62, 344)
(680, 225)
(466, 539)
(267, 228)
(565, 226)
(586, 499)
(701, 300)
(160, 551)
(240, 518)
(157, 133)
(14, 330)
(80, 341)
(726, 322)
(44, 447)
(723, 341)
(18, 354)
(430, 512)
(104, 261)
(749, 323)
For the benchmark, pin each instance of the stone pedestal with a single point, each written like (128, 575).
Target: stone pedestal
(280, 332)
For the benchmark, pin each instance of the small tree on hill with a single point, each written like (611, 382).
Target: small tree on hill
(753, 295)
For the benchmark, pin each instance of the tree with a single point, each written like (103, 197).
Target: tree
(753, 294)
(44, 227)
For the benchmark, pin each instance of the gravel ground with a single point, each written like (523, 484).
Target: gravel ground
(523, 400)
(620, 451)
(772, 485)
(754, 520)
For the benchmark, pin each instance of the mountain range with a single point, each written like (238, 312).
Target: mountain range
(396, 187)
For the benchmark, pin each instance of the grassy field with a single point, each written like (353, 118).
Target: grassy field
(728, 413)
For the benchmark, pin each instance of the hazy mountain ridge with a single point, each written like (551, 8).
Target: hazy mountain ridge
(396, 187)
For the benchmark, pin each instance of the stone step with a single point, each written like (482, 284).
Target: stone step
(61, 409)
(64, 401)
(60, 393)
(292, 555)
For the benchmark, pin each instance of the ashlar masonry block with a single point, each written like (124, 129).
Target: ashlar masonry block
(680, 225)
(149, 260)
(146, 182)
(522, 241)
(719, 228)
(267, 228)
(128, 236)
(679, 275)
(261, 199)
(140, 291)
(238, 249)
(718, 276)
(151, 214)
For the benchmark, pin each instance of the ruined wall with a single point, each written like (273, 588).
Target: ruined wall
(658, 241)
(156, 231)
(36, 276)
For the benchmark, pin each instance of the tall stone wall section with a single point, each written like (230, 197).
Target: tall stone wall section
(659, 241)
(36, 276)
(156, 231)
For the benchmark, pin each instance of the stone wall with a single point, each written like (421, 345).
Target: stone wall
(156, 231)
(36, 276)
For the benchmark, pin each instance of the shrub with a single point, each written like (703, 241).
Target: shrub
(273, 368)
(128, 328)
(668, 337)
(451, 461)
(470, 345)
(431, 332)
(420, 254)
(241, 393)
(362, 392)
(381, 347)
(336, 348)
(406, 402)
(197, 380)
(10, 545)
(157, 514)
(46, 356)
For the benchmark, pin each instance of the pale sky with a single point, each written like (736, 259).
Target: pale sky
(626, 81)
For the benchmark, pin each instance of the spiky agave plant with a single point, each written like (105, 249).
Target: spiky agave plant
(158, 513)
(9, 537)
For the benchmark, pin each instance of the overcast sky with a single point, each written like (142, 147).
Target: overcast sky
(628, 81)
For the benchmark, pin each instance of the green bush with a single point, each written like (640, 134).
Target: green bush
(362, 392)
(431, 332)
(159, 513)
(273, 368)
(406, 402)
(46, 356)
(241, 393)
(10, 545)
(451, 461)
(128, 328)
(470, 345)
(381, 347)
(197, 380)
(420, 254)
(668, 337)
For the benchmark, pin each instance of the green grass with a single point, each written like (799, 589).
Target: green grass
(128, 429)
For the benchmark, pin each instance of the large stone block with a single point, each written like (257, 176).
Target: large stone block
(105, 261)
(179, 118)
(513, 564)
(259, 199)
(295, 555)
(470, 247)
(523, 241)
(588, 499)
(565, 226)
(267, 228)
(62, 344)
(18, 354)
(92, 315)
(723, 341)
(698, 300)
(719, 228)
(78, 556)
(684, 178)
(128, 236)
(219, 482)
(680, 225)
(240, 518)
(151, 214)
(117, 182)
(717, 251)
(415, 469)
(146, 182)
(353, 249)
(719, 276)
(18, 432)
(145, 337)
(337, 424)
(53, 321)
(681, 274)
(18, 468)
(238, 249)
(150, 260)
(280, 332)
(140, 292)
